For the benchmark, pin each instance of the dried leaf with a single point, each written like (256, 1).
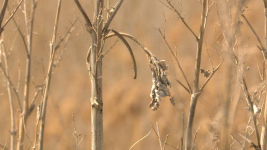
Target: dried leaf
(160, 81)
(172, 101)
(205, 72)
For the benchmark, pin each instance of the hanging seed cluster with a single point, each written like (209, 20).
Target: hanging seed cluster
(160, 82)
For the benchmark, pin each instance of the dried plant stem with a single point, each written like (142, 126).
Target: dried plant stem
(48, 79)
(96, 79)
(12, 86)
(182, 136)
(29, 30)
(195, 137)
(249, 101)
(196, 92)
(8, 86)
(264, 126)
(182, 18)
(249, 141)
(166, 139)
(11, 16)
(178, 63)
(112, 15)
(163, 141)
(140, 139)
(160, 143)
(2, 14)
(263, 48)
(264, 130)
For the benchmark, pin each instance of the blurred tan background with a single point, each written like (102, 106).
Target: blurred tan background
(127, 117)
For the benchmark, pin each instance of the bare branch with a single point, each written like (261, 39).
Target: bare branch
(177, 61)
(112, 16)
(12, 86)
(165, 142)
(21, 35)
(141, 139)
(183, 86)
(249, 141)
(213, 72)
(194, 141)
(249, 101)
(86, 18)
(160, 143)
(252, 29)
(11, 105)
(2, 13)
(182, 136)
(48, 79)
(13, 13)
(196, 92)
(66, 34)
(180, 16)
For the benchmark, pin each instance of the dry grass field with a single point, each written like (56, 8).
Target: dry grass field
(127, 116)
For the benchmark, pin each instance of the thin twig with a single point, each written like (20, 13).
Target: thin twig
(12, 119)
(21, 35)
(11, 16)
(183, 86)
(86, 18)
(177, 61)
(182, 18)
(182, 136)
(29, 30)
(2, 13)
(194, 141)
(38, 118)
(160, 143)
(213, 72)
(12, 86)
(249, 101)
(254, 32)
(166, 139)
(141, 139)
(48, 79)
(237, 140)
(110, 48)
(112, 16)
(249, 141)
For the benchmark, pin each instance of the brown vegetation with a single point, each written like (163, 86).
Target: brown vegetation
(216, 52)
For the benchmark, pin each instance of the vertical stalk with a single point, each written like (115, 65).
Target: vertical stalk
(24, 115)
(196, 93)
(264, 130)
(12, 119)
(48, 79)
(12, 128)
(96, 78)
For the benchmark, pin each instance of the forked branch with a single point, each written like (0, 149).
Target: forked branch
(13, 13)
(48, 79)
(112, 16)
(3, 11)
(250, 103)
(181, 17)
(262, 47)
(85, 16)
(178, 63)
